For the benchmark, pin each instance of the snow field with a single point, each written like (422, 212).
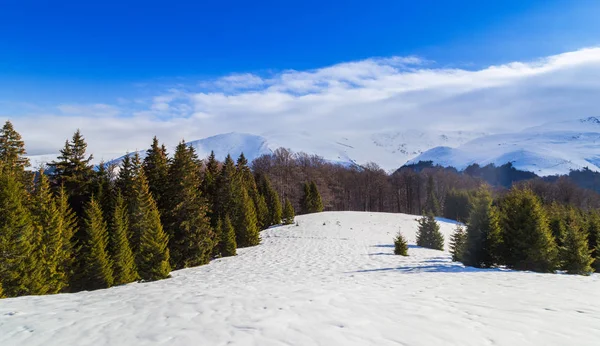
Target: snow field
(332, 280)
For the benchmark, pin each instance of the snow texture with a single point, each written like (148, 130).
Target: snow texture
(332, 280)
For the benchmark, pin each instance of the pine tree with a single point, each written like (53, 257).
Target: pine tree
(317, 203)
(227, 245)
(148, 240)
(575, 256)
(400, 245)
(593, 236)
(272, 200)
(156, 168)
(306, 201)
(228, 191)
(432, 204)
(12, 149)
(288, 213)
(209, 187)
(246, 226)
(527, 241)
(457, 205)
(428, 234)
(458, 243)
(483, 243)
(556, 223)
(97, 264)
(48, 225)
(262, 211)
(18, 274)
(1, 291)
(68, 225)
(191, 236)
(122, 257)
(103, 189)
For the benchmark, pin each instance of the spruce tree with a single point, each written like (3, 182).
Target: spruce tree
(428, 234)
(246, 225)
(528, 243)
(288, 213)
(123, 260)
(68, 226)
(227, 245)
(97, 270)
(483, 243)
(317, 203)
(593, 235)
(272, 200)
(12, 149)
(400, 245)
(149, 241)
(458, 243)
(156, 168)
(575, 256)
(1, 291)
(432, 204)
(17, 272)
(556, 223)
(209, 187)
(306, 200)
(262, 211)
(185, 221)
(228, 190)
(457, 205)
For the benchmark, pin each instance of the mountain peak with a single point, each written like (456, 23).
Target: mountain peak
(590, 120)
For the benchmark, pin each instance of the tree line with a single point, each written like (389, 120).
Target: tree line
(74, 226)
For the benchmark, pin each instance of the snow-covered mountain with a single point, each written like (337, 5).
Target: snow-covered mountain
(331, 280)
(549, 149)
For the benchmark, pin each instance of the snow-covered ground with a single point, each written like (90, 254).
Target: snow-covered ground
(332, 280)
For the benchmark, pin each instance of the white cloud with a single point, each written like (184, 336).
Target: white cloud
(377, 94)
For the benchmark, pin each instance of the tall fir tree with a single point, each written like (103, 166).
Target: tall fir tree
(156, 168)
(246, 225)
(432, 203)
(593, 235)
(209, 187)
(288, 213)
(12, 149)
(317, 202)
(123, 260)
(264, 214)
(191, 238)
(18, 273)
(272, 201)
(49, 226)
(148, 240)
(228, 190)
(556, 223)
(306, 200)
(68, 226)
(97, 272)
(575, 256)
(457, 205)
(528, 243)
(484, 239)
(227, 245)
(458, 243)
(428, 234)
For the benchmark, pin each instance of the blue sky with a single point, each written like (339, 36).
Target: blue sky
(172, 61)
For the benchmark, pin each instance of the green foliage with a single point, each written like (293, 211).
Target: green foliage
(593, 234)
(149, 241)
(67, 222)
(209, 187)
(273, 203)
(246, 225)
(400, 245)
(228, 190)
(556, 223)
(311, 199)
(428, 234)
(458, 244)
(262, 211)
(484, 239)
(124, 268)
(18, 271)
(575, 257)
(156, 168)
(457, 205)
(185, 220)
(12, 149)
(528, 243)
(97, 264)
(432, 203)
(1, 291)
(227, 245)
(288, 213)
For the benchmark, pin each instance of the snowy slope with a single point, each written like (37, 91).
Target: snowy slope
(550, 149)
(332, 280)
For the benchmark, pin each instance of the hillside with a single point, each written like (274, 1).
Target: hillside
(332, 280)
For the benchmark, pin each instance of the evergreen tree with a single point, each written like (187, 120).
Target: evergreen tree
(156, 168)
(527, 241)
(48, 227)
(148, 240)
(265, 210)
(209, 187)
(432, 204)
(306, 201)
(227, 245)
(67, 222)
(458, 243)
(483, 243)
(400, 245)
(191, 236)
(428, 234)
(317, 203)
(126, 178)
(122, 257)
(97, 265)
(18, 274)
(556, 223)
(262, 211)
(593, 235)
(288, 213)
(272, 201)
(12, 149)
(246, 226)
(457, 205)
(228, 191)
(1, 291)
(575, 255)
